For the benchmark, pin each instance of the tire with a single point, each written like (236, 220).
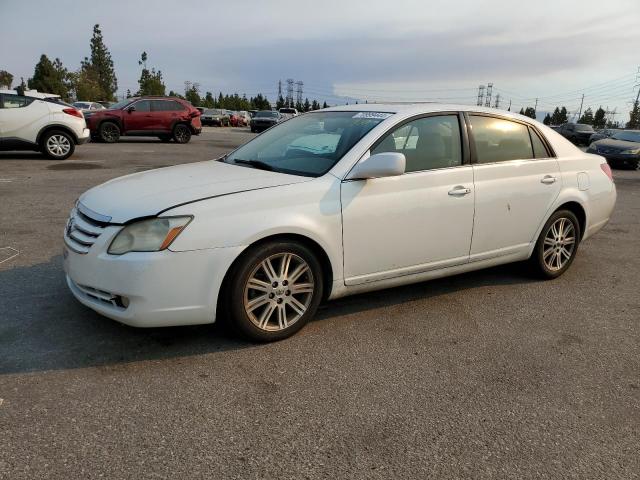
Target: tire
(57, 145)
(554, 253)
(262, 306)
(109, 132)
(181, 133)
(164, 138)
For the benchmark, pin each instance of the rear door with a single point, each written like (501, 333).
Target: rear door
(165, 114)
(21, 119)
(516, 182)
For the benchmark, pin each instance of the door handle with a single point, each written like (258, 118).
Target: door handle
(548, 179)
(459, 191)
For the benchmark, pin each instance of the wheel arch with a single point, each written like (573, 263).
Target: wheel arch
(55, 126)
(315, 247)
(578, 210)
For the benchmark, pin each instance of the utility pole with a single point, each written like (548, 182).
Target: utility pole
(580, 114)
(480, 95)
(279, 90)
(487, 102)
(497, 104)
(535, 108)
(509, 109)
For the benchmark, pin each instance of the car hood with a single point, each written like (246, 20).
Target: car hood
(614, 144)
(149, 193)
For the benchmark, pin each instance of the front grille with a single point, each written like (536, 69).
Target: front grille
(83, 229)
(102, 296)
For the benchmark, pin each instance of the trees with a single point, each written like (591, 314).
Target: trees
(192, 93)
(6, 79)
(547, 119)
(324, 105)
(315, 105)
(529, 112)
(102, 65)
(51, 77)
(599, 119)
(150, 81)
(521, 111)
(634, 116)
(587, 117)
(559, 116)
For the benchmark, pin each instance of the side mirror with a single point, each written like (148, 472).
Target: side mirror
(386, 164)
(131, 109)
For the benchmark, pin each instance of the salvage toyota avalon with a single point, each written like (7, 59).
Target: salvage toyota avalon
(332, 203)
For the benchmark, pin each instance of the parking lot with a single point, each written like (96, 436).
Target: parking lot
(484, 375)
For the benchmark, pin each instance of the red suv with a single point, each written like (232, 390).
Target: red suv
(165, 117)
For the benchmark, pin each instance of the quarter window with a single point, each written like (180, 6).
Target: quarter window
(539, 150)
(427, 143)
(15, 101)
(499, 140)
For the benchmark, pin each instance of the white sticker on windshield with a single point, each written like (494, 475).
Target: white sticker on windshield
(377, 115)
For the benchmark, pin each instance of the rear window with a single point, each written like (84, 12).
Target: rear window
(15, 101)
(266, 114)
(583, 128)
(627, 136)
(500, 140)
(539, 149)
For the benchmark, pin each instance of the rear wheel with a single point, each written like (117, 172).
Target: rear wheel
(274, 291)
(57, 144)
(109, 132)
(557, 245)
(181, 133)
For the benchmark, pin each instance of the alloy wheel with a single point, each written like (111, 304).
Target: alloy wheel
(559, 244)
(181, 134)
(58, 145)
(110, 132)
(278, 292)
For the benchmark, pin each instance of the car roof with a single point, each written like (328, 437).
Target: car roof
(409, 109)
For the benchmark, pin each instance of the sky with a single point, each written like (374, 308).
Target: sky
(369, 50)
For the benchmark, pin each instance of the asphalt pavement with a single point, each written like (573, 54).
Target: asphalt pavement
(484, 375)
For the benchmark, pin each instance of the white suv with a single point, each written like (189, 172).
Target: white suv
(39, 122)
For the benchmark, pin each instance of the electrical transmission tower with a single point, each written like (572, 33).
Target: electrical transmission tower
(487, 102)
(480, 95)
(289, 92)
(280, 89)
(299, 85)
(497, 104)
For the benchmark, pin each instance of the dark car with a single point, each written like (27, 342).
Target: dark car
(215, 116)
(264, 119)
(622, 149)
(163, 117)
(604, 133)
(577, 133)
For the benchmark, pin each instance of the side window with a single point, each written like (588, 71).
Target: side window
(160, 105)
(499, 140)
(427, 143)
(143, 106)
(539, 149)
(15, 101)
(176, 105)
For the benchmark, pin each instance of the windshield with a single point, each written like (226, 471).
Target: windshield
(82, 105)
(266, 114)
(583, 128)
(123, 103)
(210, 111)
(309, 144)
(633, 136)
(287, 110)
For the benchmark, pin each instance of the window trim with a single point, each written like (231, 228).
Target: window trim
(472, 143)
(30, 100)
(133, 104)
(464, 139)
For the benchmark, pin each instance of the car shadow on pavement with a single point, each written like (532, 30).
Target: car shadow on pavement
(42, 327)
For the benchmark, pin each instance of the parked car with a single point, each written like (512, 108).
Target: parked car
(201, 110)
(264, 119)
(163, 117)
(288, 112)
(244, 119)
(622, 149)
(43, 123)
(577, 133)
(603, 133)
(252, 113)
(88, 108)
(332, 203)
(215, 117)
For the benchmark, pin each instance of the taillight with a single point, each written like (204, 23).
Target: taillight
(73, 111)
(607, 170)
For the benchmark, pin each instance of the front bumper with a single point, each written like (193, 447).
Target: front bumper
(149, 289)
(84, 136)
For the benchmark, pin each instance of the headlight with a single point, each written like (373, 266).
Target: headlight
(150, 235)
(593, 146)
(633, 151)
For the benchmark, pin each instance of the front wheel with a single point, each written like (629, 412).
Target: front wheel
(274, 290)
(557, 245)
(109, 132)
(181, 133)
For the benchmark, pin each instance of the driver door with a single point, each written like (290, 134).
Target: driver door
(415, 222)
(140, 119)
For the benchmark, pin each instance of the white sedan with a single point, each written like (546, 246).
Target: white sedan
(331, 203)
